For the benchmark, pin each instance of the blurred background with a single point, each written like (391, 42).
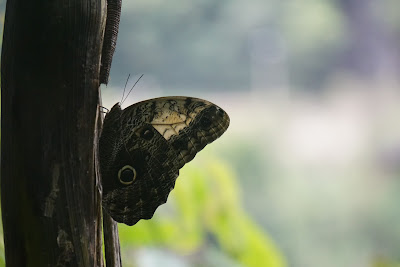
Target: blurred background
(308, 172)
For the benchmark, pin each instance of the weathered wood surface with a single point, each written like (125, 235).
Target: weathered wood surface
(51, 204)
(110, 227)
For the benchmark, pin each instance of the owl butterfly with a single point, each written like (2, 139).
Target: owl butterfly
(143, 147)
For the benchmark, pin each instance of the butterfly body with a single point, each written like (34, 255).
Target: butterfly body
(143, 147)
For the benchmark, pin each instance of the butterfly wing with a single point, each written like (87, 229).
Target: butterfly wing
(143, 147)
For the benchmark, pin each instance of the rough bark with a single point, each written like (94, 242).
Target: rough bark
(110, 227)
(110, 38)
(51, 203)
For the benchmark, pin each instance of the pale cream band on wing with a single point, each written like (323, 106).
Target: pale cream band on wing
(170, 122)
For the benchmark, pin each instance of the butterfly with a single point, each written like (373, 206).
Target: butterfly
(143, 146)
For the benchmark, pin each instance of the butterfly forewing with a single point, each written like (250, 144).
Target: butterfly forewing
(143, 147)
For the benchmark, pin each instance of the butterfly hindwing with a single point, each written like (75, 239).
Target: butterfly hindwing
(143, 147)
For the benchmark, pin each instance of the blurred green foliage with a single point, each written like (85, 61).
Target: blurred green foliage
(381, 262)
(205, 209)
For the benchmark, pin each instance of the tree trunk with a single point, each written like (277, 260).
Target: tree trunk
(50, 197)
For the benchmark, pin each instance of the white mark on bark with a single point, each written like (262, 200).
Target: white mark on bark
(67, 248)
(51, 198)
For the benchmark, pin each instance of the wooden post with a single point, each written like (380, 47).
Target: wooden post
(50, 197)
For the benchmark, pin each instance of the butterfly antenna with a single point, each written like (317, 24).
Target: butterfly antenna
(131, 89)
(123, 93)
